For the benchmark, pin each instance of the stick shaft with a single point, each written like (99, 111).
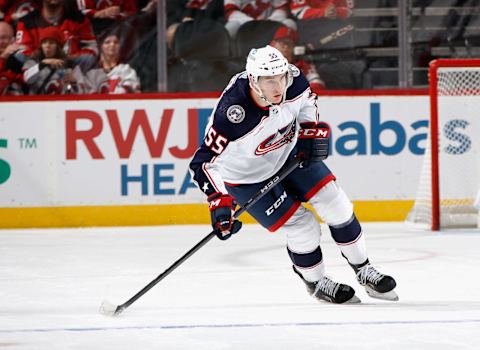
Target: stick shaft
(168, 271)
(254, 199)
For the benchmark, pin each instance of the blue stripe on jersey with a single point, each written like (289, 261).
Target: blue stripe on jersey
(203, 155)
(306, 260)
(299, 85)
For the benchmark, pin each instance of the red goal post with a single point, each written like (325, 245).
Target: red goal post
(450, 176)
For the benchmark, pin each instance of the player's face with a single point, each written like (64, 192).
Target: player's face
(273, 87)
(49, 48)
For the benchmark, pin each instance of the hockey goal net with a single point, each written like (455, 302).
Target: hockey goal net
(450, 176)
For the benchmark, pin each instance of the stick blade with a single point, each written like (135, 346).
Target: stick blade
(108, 309)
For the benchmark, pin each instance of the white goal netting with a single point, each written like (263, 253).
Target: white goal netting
(457, 112)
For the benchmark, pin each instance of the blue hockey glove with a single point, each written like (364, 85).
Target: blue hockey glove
(313, 142)
(222, 207)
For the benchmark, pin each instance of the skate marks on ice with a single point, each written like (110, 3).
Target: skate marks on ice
(430, 313)
(7, 345)
(240, 325)
(51, 297)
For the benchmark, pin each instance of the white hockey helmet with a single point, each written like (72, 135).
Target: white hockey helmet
(266, 61)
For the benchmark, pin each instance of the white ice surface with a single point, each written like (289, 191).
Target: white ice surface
(237, 294)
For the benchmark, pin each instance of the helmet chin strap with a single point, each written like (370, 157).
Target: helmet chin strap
(260, 94)
(258, 91)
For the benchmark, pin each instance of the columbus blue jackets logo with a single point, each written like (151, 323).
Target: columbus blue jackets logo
(236, 114)
(277, 140)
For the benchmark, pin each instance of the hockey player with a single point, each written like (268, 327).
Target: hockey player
(252, 134)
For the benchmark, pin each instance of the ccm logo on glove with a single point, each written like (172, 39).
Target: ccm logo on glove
(313, 142)
(314, 133)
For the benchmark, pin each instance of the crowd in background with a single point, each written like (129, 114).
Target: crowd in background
(84, 46)
(110, 46)
(248, 23)
(67, 47)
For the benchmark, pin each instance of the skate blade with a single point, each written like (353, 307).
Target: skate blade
(391, 295)
(353, 300)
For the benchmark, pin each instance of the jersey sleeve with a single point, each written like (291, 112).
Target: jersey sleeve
(205, 164)
(309, 108)
(301, 89)
(31, 71)
(24, 39)
(310, 9)
(129, 82)
(87, 7)
(205, 173)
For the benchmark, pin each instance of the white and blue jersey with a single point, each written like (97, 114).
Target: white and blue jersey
(246, 143)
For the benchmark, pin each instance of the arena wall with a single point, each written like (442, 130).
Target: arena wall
(106, 161)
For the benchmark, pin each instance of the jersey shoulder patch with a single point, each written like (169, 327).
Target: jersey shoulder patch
(233, 100)
(235, 114)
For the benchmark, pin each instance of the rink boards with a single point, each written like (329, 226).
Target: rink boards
(124, 161)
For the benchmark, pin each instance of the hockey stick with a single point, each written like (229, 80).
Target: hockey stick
(109, 309)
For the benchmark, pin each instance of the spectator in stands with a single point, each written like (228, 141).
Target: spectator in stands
(105, 14)
(284, 41)
(113, 9)
(48, 70)
(179, 12)
(332, 9)
(79, 41)
(14, 10)
(111, 76)
(10, 69)
(239, 12)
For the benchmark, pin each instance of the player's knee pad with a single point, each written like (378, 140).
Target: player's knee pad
(303, 238)
(302, 231)
(303, 243)
(332, 204)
